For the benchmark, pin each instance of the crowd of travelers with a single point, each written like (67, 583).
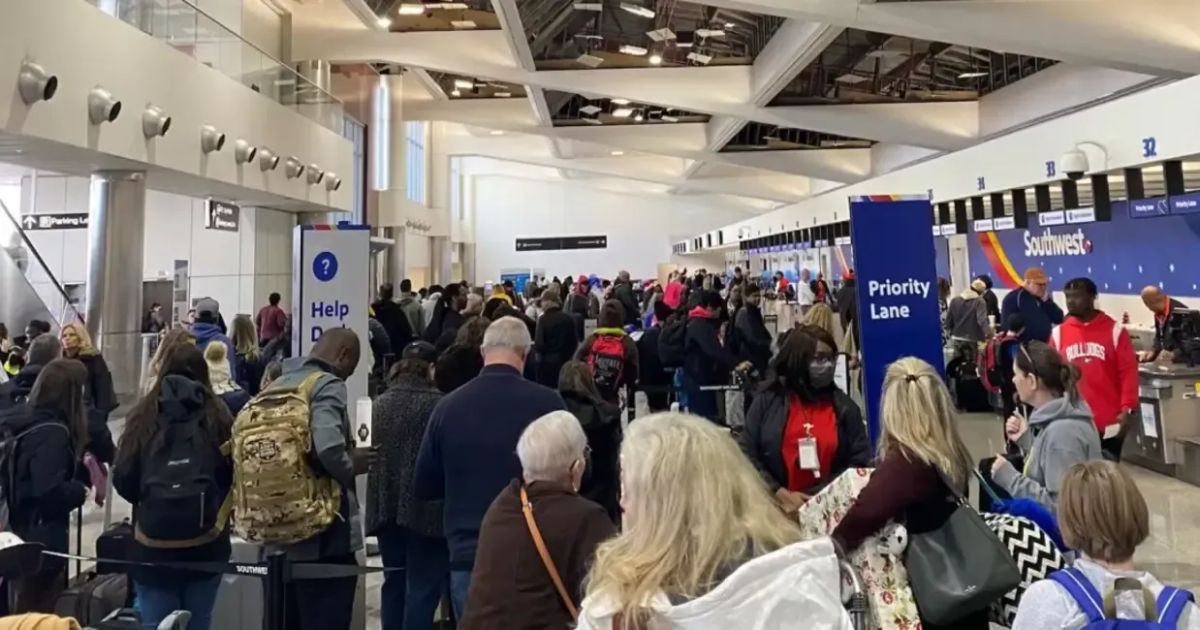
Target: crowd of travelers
(507, 488)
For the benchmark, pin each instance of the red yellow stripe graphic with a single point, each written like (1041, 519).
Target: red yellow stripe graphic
(1001, 266)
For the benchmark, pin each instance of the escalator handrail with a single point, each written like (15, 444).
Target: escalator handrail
(45, 267)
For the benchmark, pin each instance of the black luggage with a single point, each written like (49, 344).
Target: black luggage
(91, 597)
(114, 544)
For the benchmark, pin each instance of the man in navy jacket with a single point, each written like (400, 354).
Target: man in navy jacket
(1034, 303)
(469, 452)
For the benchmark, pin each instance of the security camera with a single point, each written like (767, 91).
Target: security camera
(332, 182)
(35, 84)
(293, 168)
(155, 122)
(268, 160)
(102, 106)
(1073, 164)
(211, 139)
(243, 151)
(315, 174)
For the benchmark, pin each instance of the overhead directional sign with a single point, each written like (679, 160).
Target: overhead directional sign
(56, 221)
(222, 216)
(561, 242)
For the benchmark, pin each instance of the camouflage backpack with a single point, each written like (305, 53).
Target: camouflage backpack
(278, 498)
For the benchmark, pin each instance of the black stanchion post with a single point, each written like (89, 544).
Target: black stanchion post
(275, 592)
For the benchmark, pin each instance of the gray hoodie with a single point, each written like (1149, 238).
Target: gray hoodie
(1066, 435)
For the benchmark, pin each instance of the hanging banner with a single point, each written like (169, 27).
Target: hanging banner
(895, 265)
(330, 289)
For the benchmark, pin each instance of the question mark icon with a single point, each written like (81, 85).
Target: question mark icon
(325, 266)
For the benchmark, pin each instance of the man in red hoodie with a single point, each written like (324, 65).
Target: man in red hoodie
(1100, 347)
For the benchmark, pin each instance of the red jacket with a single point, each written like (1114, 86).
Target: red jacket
(1102, 351)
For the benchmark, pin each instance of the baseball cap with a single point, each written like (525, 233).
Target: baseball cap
(1035, 274)
(422, 350)
(207, 305)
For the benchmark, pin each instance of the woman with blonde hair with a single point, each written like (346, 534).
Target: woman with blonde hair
(821, 316)
(98, 390)
(247, 359)
(923, 464)
(696, 512)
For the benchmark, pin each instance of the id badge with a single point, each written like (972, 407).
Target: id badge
(808, 455)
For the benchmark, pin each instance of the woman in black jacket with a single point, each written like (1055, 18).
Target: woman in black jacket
(409, 531)
(53, 424)
(462, 361)
(802, 431)
(181, 415)
(247, 358)
(101, 398)
(601, 423)
(555, 339)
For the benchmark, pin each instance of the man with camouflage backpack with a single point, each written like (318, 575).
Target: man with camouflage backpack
(315, 516)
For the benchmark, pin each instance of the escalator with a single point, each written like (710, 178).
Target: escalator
(28, 288)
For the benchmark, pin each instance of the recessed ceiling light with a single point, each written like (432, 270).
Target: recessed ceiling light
(591, 61)
(448, 6)
(622, 112)
(630, 49)
(655, 59)
(730, 25)
(496, 132)
(588, 6)
(705, 33)
(456, 92)
(465, 84)
(384, 22)
(851, 78)
(637, 10)
(503, 94)
(972, 75)
(640, 117)
(411, 9)
(661, 34)
(669, 119)
(700, 58)
(887, 53)
(619, 101)
(589, 110)
(616, 153)
(462, 23)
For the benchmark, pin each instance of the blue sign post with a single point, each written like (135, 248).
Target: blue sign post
(897, 289)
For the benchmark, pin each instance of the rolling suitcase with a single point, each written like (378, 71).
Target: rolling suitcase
(240, 598)
(91, 597)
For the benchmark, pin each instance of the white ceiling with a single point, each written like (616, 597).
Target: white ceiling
(1148, 38)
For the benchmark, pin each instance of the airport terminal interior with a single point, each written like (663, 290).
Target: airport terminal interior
(961, 181)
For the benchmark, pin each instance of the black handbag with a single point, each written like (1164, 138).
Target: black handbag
(959, 568)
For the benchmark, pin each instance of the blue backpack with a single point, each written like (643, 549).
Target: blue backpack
(1170, 604)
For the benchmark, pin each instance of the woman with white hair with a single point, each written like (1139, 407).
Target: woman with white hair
(703, 545)
(538, 536)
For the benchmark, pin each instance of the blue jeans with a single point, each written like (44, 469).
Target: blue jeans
(156, 600)
(700, 402)
(460, 583)
(410, 597)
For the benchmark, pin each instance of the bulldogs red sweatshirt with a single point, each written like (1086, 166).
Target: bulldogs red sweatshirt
(1103, 352)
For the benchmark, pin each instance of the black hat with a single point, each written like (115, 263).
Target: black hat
(422, 350)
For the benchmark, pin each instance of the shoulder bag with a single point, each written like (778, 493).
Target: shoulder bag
(959, 568)
(536, 534)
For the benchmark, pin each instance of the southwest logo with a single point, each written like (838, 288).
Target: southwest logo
(1050, 244)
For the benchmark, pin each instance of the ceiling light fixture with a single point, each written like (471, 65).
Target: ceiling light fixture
(851, 79)
(972, 75)
(503, 94)
(588, 6)
(661, 34)
(456, 92)
(463, 23)
(384, 22)
(496, 132)
(730, 25)
(616, 153)
(630, 49)
(411, 9)
(700, 58)
(591, 61)
(640, 117)
(619, 101)
(589, 110)
(448, 6)
(637, 10)
(655, 59)
(464, 84)
(622, 112)
(705, 33)
(593, 121)
(669, 119)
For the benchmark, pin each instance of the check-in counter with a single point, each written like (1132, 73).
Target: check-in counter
(1166, 438)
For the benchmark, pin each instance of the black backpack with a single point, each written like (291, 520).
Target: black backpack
(732, 341)
(672, 341)
(9, 441)
(181, 503)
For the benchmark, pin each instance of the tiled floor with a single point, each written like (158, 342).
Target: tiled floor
(1171, 553)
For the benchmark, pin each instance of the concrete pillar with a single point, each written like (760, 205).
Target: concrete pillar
(116, 226)
(468, 262)
(397, 256)
(439, 265)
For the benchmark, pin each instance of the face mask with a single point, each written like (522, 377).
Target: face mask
(820, 374)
